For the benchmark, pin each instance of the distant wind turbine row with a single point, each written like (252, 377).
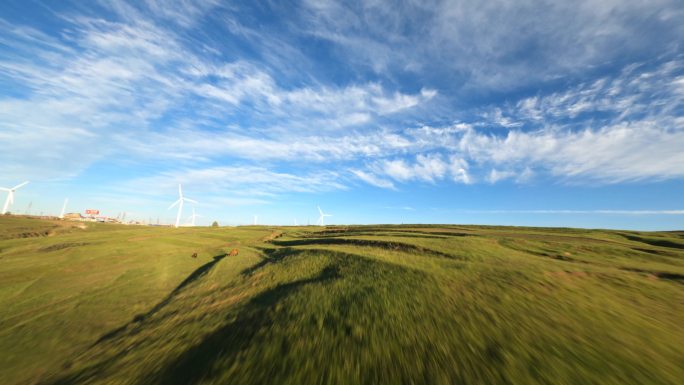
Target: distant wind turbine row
(319, 222)
(181, 200)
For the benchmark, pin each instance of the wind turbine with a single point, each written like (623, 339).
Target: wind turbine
(255, 220)
(296, 222)
(323, 215)
(10, 195)
(193, 217)
(179, 202)
(61, 216)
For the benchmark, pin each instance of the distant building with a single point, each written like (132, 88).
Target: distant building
(73, 216)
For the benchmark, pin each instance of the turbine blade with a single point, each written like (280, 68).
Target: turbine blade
(174, 204)
(319, 210)
(4, 189)
(20, 185)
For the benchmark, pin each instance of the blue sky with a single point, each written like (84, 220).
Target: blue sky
(510, 112)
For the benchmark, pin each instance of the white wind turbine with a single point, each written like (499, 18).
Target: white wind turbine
(179, 202)
(193, 217)
(61, 216)
(10, 195)
(322, 216)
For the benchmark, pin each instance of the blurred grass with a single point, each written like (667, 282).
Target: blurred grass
(348, 305)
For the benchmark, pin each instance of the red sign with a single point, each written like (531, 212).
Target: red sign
(92, 212)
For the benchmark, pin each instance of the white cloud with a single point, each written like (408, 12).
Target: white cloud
(497, 175)
(400, 101)
(459, 170)
(499, 45)
(236, 183)
(373, 179)
(185, 13)
(135, 91)
(497, 117)
(612, 154)
(635, 92)
(429, 168)
(199, 145)
(519, 176)
(104, 87)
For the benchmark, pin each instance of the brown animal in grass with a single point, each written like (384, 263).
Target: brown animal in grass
(233, 252)
(194, 255)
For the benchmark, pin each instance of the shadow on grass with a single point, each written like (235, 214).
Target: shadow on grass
(198, 363)
(60, 246)
(195, 275)
(666, 253)
(221, 348)
(403, 234)
(655, 241)
(387, 245)
(270, 256)
(387, 232)
(92, 371)
(659, 274)
(531, 249)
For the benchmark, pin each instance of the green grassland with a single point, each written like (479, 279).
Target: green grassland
(109, 304)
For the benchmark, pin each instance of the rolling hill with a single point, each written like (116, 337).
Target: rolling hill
(112, 304)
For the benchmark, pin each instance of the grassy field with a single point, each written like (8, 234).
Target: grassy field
(109, 304)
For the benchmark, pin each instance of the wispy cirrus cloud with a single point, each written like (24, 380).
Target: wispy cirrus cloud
(641, 150)
(622, 128)
(638, 91)
(530, 42)
(373, 179)
(426, 168)
(231, 184)
(108, 87)
(337, 93)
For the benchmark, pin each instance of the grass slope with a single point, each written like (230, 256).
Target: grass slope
(365, 305)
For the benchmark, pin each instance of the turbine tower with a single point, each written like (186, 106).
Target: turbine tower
(61, 216)
(179, 202)
(322, 216)
(193, 217)
(255, 220)
(10, 195)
